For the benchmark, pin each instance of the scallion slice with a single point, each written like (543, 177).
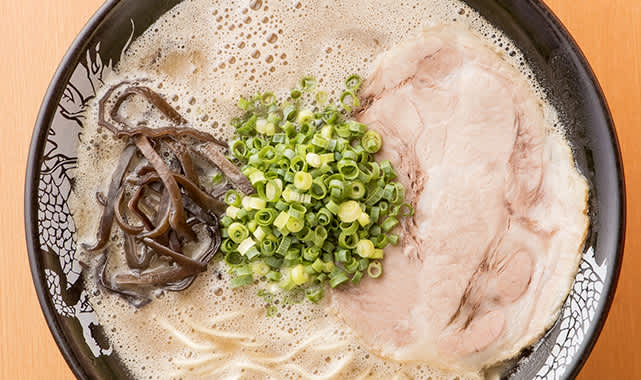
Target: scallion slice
(324, 210)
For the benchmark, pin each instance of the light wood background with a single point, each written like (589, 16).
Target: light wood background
(34, 35)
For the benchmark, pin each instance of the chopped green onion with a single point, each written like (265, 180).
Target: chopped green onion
(268, 98)
(321, 97)
(310, 219)
(232, 198)
(318, 265)
(350, 155)
(217, 178)
(273, 261)
(284, 245)
(375, 196)
(273, 276)
(364, 219)
(324, 216)
(318, 190)
(299, 275)
(260, 268)
(294, 225)
(347, 240)
(234, 258)
(356, 190)
(268, 245)
(281, 220)
(389, 224)
(228, 245)
(237, 232)
(378, 254)
(243, 104)
(259, 233)
(265, 217)
(332, 207)
(353, 82)
(289, 113)
(303, 180)
(295, 94)
(349, 100)
(271, 309)
(384, 207)
(232, 212)
(337, 277)
(311, 253)
(246, 245)
(365, 248)
(253, 203)
(371, 141)
(313, 160)
(323, 208)
(348, 169)
(305, 116)
(308, 83)
(381, 241)
(298, 163)
(320, 234)
(342, 255)
(349, 211)
(388, 170)
(252, 225)
(375, 269)
(356, 278)
(314, 294)
(265, 127)
(296, 211)
(357, 129)
(352, 265)
(349, 228)
(330, 115)
(273, 189)
(239, 281)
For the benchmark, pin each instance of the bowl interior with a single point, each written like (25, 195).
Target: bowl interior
(558, 65)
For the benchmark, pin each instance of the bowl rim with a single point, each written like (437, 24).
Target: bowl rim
(63, 74)
(611, 286)
(43, 122)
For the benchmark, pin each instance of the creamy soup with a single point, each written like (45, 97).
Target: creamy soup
(204, 54)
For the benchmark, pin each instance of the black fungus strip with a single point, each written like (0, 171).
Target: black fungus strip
(137, 256)
(184, 158)
(220, 190)
(121, 219)
(165, 108)
(216, 156)
(154, 277)
(199, 196)
(136, 299)
(178, 257)
(106, 220)
(164, 194)
(133, 207)
(102, 108)
(100, 198)
(177, 216)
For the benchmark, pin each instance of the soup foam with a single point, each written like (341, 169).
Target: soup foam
(203, 55)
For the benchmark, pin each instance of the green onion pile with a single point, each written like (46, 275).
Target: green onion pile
(324, 209)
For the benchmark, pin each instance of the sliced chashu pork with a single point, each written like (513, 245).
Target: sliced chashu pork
(485, 263)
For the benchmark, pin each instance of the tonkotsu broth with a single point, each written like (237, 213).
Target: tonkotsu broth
(202, 56)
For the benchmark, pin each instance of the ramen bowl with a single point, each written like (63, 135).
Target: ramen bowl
(558, 64)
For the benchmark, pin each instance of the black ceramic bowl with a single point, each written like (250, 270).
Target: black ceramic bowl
(549, 49)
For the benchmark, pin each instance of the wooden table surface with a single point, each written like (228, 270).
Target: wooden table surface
(34, 35)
